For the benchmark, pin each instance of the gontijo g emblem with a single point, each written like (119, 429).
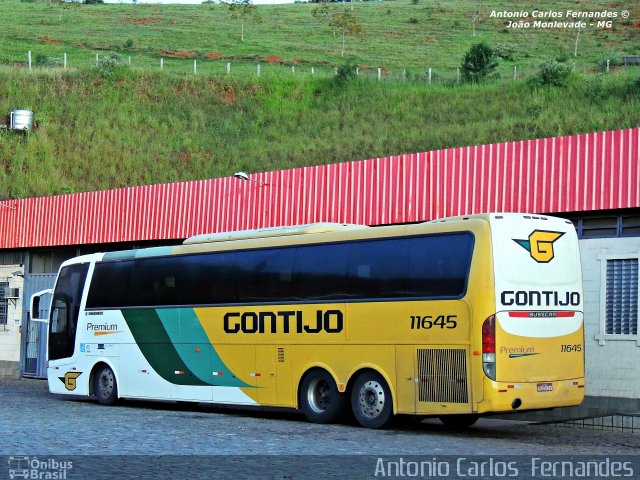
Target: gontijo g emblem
(540, 245)
(69, 380)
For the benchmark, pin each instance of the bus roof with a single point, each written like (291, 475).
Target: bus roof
(310, 228)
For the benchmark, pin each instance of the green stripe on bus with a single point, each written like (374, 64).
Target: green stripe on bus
(194, 347)
(157, 348)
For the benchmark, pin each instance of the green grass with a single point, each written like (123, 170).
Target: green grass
(141, 125)
(442, 32)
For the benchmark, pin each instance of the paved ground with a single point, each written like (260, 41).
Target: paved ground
(34, 422)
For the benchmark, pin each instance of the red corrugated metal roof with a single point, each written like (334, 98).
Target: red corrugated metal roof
(593, 171)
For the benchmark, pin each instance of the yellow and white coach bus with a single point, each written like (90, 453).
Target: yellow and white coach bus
(451, 318)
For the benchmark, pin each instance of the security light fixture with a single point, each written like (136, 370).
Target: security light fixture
(245, 176)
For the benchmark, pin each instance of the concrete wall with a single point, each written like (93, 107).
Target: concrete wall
(612, 362)
(10, 333)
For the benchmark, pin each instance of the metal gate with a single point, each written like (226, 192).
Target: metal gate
(33, 359)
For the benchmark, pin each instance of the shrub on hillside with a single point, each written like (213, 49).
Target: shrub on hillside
(346, 72)
(109, 63)
(554, 73)
(506, 51)
(43, 60)
(478, 63)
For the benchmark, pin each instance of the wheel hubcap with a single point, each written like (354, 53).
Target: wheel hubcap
(319, 395)
(372, 398)
(105, 384)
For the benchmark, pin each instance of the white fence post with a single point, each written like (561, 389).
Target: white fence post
(458, 74)
(515, 72)
(129, 59)
(358, 71)
(312, 71)
(258, 70)
(607, 65)
(293, 69)
(64, 61)
(429, 76)
(161, 63)
(97, 59)
(29, 59)
(379, 73)
(195, 67)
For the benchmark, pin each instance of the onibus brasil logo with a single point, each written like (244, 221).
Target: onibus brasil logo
(540, 244)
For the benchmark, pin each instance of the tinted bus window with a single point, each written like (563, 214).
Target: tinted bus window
(111, 285)
(156, 281)
(379, 268)
(430, 266)
(321, 272)
(266, 275)
(439, 265)
(209, 278)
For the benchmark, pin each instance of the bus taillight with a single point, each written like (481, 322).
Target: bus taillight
(489, 347)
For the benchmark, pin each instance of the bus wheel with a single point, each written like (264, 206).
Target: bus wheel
(371, 400)
(459, 421)
(319, 399)
(105, 386)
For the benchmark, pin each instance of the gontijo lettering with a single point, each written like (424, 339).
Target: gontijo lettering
(534, 298)
(291, 321)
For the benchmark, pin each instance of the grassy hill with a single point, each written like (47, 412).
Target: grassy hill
(396, 34)
(108, 127)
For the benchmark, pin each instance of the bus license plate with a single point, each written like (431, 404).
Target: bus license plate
(545, 387)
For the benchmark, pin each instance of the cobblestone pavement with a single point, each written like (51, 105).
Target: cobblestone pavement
(35, 422)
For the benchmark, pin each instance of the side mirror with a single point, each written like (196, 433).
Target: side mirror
(37, 306)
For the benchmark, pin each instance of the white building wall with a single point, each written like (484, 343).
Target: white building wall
(612, 364)
(10, 333)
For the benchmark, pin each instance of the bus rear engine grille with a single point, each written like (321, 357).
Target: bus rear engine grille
(442, 373)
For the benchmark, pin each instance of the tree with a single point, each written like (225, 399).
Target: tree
(474, 19)
(242, 10)
(346, 23)
(478, 63)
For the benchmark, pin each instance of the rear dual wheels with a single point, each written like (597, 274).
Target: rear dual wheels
(319, 398)
(321, 402)
(371, 400)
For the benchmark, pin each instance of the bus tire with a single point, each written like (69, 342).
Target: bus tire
(319, 398)
(105, 386)
(371, 400)
(460, 421)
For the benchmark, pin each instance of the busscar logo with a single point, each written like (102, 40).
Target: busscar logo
(540, 245)
(69, 380)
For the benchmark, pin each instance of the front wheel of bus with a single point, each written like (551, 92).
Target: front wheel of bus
(371, 400)
(320, 400)
(105, 386)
